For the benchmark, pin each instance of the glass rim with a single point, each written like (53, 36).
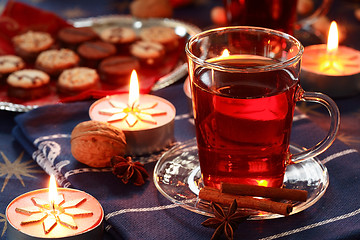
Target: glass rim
(269, 67)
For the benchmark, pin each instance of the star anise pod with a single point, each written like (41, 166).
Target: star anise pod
(224, 222)
(128, 170)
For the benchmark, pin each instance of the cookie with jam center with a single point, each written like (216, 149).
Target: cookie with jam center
(30, 44)
(121, 37)
(28, 84)
(55, 61)
(161, 34)
(149, 53)
(76, 80)
(8, 65)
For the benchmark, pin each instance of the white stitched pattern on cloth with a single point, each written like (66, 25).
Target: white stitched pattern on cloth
(49, 168)
(314, 225)
(148, 209)
(338, 154)
(85, 170)
(299, 117)
(54, 136)
(182, 116)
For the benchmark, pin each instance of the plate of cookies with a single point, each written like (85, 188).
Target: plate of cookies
(92, 57)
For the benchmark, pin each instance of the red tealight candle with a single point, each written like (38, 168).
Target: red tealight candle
(331, 69)
(146, 120)
(55, 213)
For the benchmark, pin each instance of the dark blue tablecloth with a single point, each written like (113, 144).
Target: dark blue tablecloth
(143, 213)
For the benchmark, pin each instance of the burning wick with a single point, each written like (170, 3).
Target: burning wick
(333, 39)
(133, 112)
(331, 50)
(53, 194)
(133, 90)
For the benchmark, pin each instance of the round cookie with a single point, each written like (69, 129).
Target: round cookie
(122, 37)
(93, 52)
(8, 65)
(149, 53)
(160, 34)
(30, 44)
(117, 69)
(55, 61)
(95, 143)
(75, 80)
(71, 37)
(28, 84)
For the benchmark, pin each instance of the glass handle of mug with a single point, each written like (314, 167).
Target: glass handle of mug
(334, 125)
(320, 11)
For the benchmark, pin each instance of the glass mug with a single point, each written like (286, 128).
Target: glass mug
(275, 14)
(245, 85)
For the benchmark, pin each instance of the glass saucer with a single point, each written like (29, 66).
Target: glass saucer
(177, 176)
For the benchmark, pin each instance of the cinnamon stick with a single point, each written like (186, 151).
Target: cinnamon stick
(269, 192)
(214, 195)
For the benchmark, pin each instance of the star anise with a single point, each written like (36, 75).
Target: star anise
(128, 170)
(224, 222)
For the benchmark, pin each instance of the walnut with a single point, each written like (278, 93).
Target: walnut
(95, 143)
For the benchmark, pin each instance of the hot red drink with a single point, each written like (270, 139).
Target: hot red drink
(245, 83)
(243, 123)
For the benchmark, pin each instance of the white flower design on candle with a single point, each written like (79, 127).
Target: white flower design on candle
(133, 111)
(54, 211)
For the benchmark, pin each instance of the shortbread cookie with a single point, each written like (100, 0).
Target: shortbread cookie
(149, 53)
(122, 37)
(8, 65)
(28, 84)
(30, 44)
(117, 69)
(75, 80)
(94, 143)
(55, 61)
(160, 34)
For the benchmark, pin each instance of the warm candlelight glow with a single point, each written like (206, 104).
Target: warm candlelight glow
(331, 62)
(55, 210)
(333, 38)
(133, 89)
(331, 68)
(225, 53)
(133, 111)
(53, 194)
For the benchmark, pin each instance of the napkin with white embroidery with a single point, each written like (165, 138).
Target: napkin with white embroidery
(133, 212)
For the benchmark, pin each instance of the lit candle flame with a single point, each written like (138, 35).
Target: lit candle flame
(133, 89)
(332, 63)
(53, 194)
(333, 38)
(225, 53)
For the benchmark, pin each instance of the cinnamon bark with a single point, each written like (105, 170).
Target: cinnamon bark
(214, 195)
(268, 192)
